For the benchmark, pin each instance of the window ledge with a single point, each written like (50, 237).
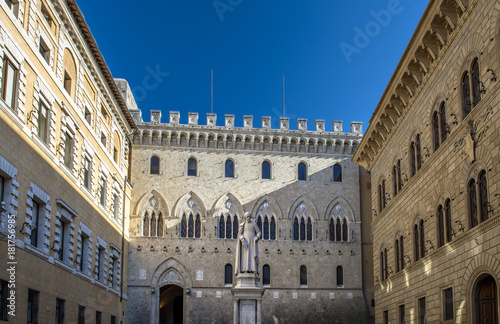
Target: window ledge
(64, 265)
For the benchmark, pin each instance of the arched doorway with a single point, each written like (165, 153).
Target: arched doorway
(171, 304)
(486, 301)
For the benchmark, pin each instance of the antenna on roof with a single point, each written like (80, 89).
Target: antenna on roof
(283, 95)
(212, 91)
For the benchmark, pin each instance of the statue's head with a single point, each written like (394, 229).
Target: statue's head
(248, 217)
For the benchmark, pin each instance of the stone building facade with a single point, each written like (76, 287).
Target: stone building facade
(432, 148)
(192, 184)
(63, 168)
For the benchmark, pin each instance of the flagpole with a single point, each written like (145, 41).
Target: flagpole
(212, 91)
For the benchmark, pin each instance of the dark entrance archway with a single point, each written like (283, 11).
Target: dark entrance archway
(486, 301)
(171, 304)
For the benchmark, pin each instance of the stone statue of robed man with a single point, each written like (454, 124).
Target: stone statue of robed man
(247, 251)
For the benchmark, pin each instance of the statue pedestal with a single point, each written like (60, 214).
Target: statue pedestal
(247, 298)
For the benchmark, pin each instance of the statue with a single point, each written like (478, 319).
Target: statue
(247, 252)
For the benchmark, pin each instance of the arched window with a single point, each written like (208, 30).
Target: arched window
(228, 274)
(309, 229)
(466, 103)
(160, 224)
(259, 222)
(475, 82)
(222, 227)
(471, 193)
(384, 272)
(400, 181)
(69, 73)
(440, 225)
(384, 198)
(266, 228)
(266, 275)
(229, 169)
(302, 172)
(340, 277)
(401, 252)
(422, 238)
(418, 152)
(235, 226)
(197, 226)
(413, 167)
(331, 229)
(396, 255)
(272, 234)
(345, 230)
(266, 170)
(302, 229)
(435, 130)
(394, 181)
(190, 225)
(483, 195)
(153, 224)
(303, 275)
(416, 248)
(442, 122)
(229, 227)
(145, 225)
(183, 230)
(380, 205)
(337, 173)
(447, 216)
(338, 231)
(192, 167)
(295, 229)
(155, 165)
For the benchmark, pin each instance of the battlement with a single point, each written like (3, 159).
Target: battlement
(356, 128)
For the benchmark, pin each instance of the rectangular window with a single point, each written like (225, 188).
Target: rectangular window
(99, 263)
(33, 306)
(9, 83)
(2, 188)
(447, 304)
(385, 317)
(98, 316)
(104, 113)
(4, 293)
(46, 15)
(35, 216)
(68, 151)
(83, 256)
(67, 83)
(88, 116)
(81, 314)
(401, 310)
(103, 139)
(102, 192)
(112, 272)
(116, 206)
(61, 240)
(43, 122)
(59, 311)
(422, 317)
(86, 172)
(113, 319)
(44, 50)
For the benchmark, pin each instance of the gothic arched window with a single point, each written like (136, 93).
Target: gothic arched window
(466, 103)
(145, 225)
(396, 254)
(416, 249)
(197, 226)
(447, 217)
(154, 165)
(303, 275)
(331, 229)
(183, 226)
(475, 82)
(435, 130)
(471, 192)
(309, 229)
(400, 181)
(340, 277)
(266, 170)
(266, 228)
(338, 231)
(153, 224)
(235, 226)
(259, 222)
(394, 181)
(418, 152)
(302, 229)
(266, 275)
(228, 274)
(345, 230)
(442, 122)
(483, 195)
(160, 224)
(229, 227)
(190, 225)
(302, 171)
(295, 229)
(273, 229)
(192, 167)
(401, 252)
(337, 173)
(229, 169)
(440, 225)
(222, 226)
(422, 238)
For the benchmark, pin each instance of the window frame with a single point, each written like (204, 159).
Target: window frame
(266, 173)
(303, 276)
(33, 306)
(44, 50)
(266, 275)
(445, 304)
(153, 169)
(192, 172)
(302, 171)
(228, 275)
(337, 173)
(60, 303)
(229, 169)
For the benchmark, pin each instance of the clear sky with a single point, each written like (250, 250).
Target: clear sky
(337, 56)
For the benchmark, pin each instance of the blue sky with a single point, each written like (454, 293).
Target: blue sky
(337, 56)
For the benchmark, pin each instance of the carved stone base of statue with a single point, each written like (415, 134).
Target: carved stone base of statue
(247, 298)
